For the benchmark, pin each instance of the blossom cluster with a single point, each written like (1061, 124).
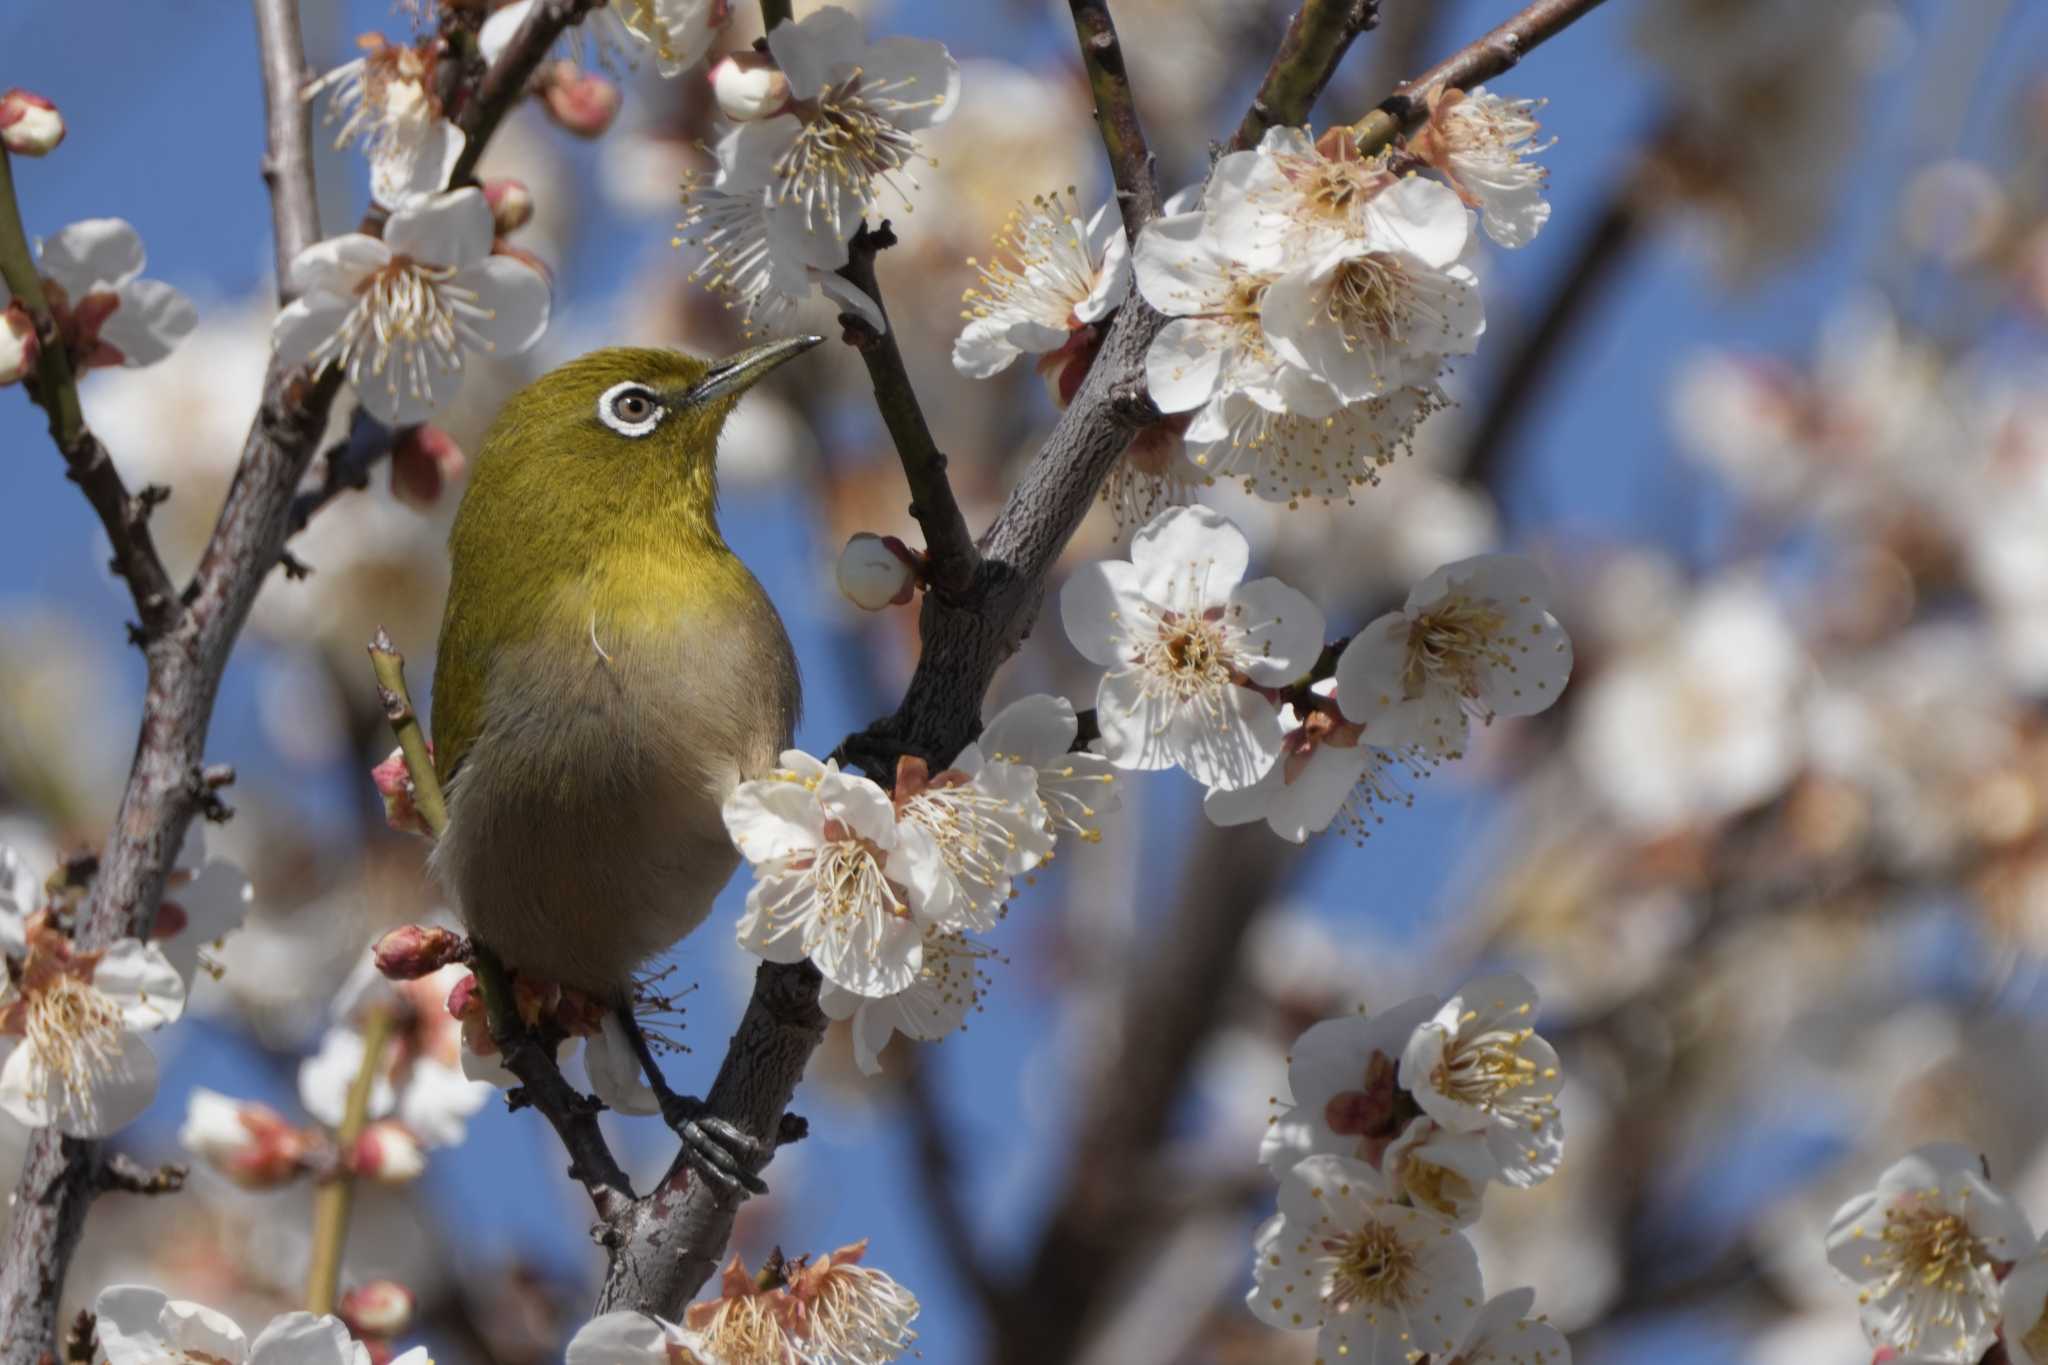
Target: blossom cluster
(134, 1324)
(1394, 1126)
(823, 124)
(885, 890)
(1945, 1263)
(72, 1019)
(106, 313)
(1208, 672)
(829, 1311)
(1313, 297)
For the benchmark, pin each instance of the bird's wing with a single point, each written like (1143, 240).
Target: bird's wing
(459, 672)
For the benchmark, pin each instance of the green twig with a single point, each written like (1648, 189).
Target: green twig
(331, 1204)
(389, 665)
(1314, 43)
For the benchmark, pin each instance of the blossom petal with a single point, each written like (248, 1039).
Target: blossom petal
(614, 1070)
(452, 230)
(516, 297)
(97, 253)
(1101, 604)
(304, 324)
(1283, 630)
(1183, 364)
(1422, 217)
(1134, 724)
(925, 77)
(620, 1339)
(302, 1339)
(150, 321)
(812, 48)
(1231, 746)
(141, 981)
(771, 819)
(337, 265)
(115, 1095)
(1033, 730)
(1197, 542)
(138, 1325)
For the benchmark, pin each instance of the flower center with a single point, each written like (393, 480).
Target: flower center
(847, 144)
(1373, 1267)
(1454, 643)
(1371, 301)
(1933, 1247)
(410, 320)
(76, 1032)
(847, 873)
(1042, 269)
(747, 1331)
(1489, 1072)
(1189, 656)
(973, 831)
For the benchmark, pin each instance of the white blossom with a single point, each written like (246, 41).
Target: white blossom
(846, 1311)
(851, 130)
(1184, 639)
(386, 100)
(1326, 770)
(1372, 311)
(1434, 1168)
(1925, 1248)
(205, 899)
(138, 1325)
(1379, 1282)
(1049, 279)
(1477, 1066)
(1505, 1334)
(108, 314)
(398, 315)
(630, 1338)
(1287, 457)
(1474, 638)
(71, 1054)
(836, 878)
(948, 985)
(1481, 142)
(987, 825)
(1077, 787)
(766, 264)
(1343, 1093)
(2023, 1311)
(421, 1081)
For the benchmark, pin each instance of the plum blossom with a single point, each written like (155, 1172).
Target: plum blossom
(836, 878)
(1343, 1089)
(1290, 193)
(1480, 141)
(1050, 278)
(848, 1311)
(1077, 787)
(1186, 641)
(851, 128)
(205, 899)
(1926, 1248)
(1477, 1066)
(948, 986)
(1289, 458)
(988, 826)
(678, 32)
(398, 315)
(29, 124)
(421, 1082)
(2023, 1308)
(1373, 311)
(249, 1143)
(386, 100)
(71, 1054)
(138, 1325)
(875, 572)
(764, 263)
(1474, 638)
(1379, 1282)
(1327, 770)
(1505, 1334)
(106, 313)
(1434, 1168)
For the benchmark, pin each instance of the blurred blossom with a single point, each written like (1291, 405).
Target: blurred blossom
(251, 1144)
(107, 314)
(137, 1325)
(420, 1079)
(985, 158)
(1700, 722)
(1955, 211)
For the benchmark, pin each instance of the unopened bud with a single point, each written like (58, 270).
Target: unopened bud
(511, 204)
(17, 345)
(381, 1308)
(412, 951)
(29, 124)
(580, 102)
(424, 461)
(249, 1143)
(877, 571)
(394, 784)
(387, 1152)
(748, 86)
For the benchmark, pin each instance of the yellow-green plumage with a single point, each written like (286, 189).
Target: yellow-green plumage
(608, 671)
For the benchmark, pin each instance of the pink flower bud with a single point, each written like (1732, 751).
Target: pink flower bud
(749, 85)
(387, 1152)
(17, 344)
(580, 102)
(877, 571)
(424, 461)
(381, 1308)
(394, 784)
(29, 124)
(511, 204)
(412, 951)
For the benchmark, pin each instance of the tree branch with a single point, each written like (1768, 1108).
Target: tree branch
(1480, 60)
(946, 537)
(288, 158)
(1315, 42)
(1116, 114)
(125, 518)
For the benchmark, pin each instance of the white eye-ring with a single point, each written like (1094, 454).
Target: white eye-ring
(631, 409)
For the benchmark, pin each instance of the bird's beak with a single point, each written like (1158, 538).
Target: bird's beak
(736, 373)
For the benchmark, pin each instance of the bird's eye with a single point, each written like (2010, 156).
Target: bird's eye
(630, 409)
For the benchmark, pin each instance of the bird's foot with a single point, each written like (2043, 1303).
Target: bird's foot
(717, 1151)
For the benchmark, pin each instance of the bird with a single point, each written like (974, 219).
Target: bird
(608, 672)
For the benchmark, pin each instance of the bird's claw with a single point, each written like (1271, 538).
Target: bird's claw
(716, 1150)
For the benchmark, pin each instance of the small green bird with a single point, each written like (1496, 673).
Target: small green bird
(608, 672)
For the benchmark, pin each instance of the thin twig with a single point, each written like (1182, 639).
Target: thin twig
(946, 537)
(288, 158)
(505, 83)
(389, 666)
(122, 1173)
(331, 1203)
(1316, 41)
(124, 518)
(1116, 114)
(1477, 61)
(345, 466)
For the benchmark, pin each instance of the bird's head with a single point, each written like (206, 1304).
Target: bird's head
(628, 432)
